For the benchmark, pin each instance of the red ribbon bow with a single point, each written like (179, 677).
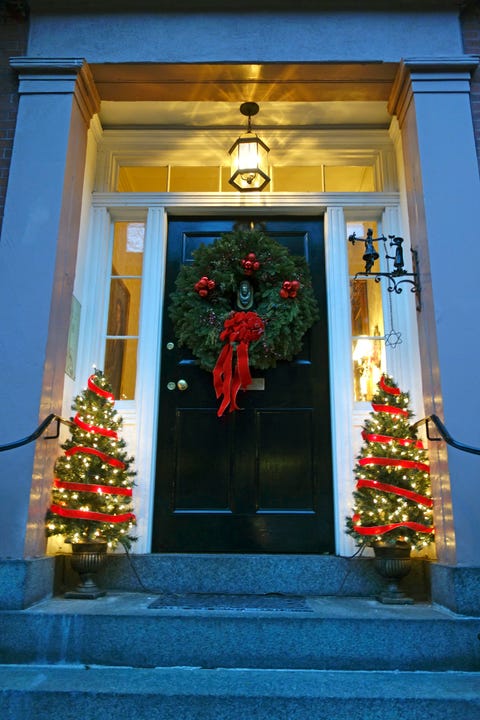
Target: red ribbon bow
(239, 330)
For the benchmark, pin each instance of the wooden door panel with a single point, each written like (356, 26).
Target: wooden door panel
(285, 480)
(201, 482)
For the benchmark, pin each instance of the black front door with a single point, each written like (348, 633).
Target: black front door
(257, 480)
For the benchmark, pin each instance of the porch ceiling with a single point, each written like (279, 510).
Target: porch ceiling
(308, 82)
(293, 95)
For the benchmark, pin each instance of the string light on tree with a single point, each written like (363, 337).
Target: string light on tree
(393, 496)
(92, 488)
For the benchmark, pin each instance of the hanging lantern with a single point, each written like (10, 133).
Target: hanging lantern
(249, 157)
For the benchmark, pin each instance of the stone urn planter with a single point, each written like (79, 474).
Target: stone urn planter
(393, 562)
(86, 559)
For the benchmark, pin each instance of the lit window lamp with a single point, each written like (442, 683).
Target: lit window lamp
(362, 356)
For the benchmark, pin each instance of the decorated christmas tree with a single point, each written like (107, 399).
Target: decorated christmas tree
(392, 498)
(92, 486)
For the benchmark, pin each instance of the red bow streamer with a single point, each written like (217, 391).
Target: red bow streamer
(394, 462)
(113, 462)
(385, 487)
(99, 391)
(239, 331)
(89, 515)
(390, 409)
(388, 388)
(85, 487)
(405, 442)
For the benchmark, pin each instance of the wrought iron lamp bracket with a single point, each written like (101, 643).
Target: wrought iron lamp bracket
(397, 277)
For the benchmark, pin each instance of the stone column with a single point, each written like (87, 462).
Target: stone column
(431, 99)
(37, 265)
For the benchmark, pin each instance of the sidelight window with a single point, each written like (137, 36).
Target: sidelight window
(122, 326)
(368, 346)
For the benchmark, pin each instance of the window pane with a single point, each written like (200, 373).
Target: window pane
(194, 179)
(298, 179)
(142, 179)
(121, 367)
(349, 178)
(124, 308)
(368, 364)
(368, 352)
(127, 258)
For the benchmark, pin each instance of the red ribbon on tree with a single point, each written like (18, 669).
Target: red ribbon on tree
(98, 390)
(87, 487)
(394, 462)
(385, 487)
(388, 388)
(390, 409)
(90, 515)
(94, 428)
(113, 462)
(382, 529)
(405, 442)
(239, 331)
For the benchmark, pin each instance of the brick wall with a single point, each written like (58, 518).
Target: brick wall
(13, 41)
(470, 18)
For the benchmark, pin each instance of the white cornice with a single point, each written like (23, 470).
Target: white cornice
(281, 202)
(58, 76)
(429, 75)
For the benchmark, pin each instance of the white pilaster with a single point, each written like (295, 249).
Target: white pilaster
(149, 359)
(341, 384)
(432, 102)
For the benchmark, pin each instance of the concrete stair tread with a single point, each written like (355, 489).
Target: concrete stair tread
(120, 629)
(250, 682)
(67, 693)
(139, 604)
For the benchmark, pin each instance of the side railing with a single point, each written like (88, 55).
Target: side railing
(445, 435)
(38, 432)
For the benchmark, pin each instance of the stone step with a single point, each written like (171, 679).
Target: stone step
(210, 631)
(313, 575)
(69, 693)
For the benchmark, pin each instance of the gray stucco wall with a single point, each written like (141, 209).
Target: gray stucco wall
(245, 36)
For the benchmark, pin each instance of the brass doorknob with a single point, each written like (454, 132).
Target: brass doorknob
(182, 385)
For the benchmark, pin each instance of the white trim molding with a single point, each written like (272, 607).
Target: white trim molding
(141, 414)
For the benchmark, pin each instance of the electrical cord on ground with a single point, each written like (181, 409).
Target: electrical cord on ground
(135, 572)
(358, 553)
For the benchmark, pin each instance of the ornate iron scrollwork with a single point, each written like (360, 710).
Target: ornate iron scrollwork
(399, 276)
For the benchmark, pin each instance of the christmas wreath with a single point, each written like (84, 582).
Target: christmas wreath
(244, 294)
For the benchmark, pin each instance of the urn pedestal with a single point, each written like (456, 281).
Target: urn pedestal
(393, 562)
(86, 559)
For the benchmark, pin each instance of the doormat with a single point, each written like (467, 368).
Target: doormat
(239, 603)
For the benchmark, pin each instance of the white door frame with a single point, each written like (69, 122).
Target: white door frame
(140, 415)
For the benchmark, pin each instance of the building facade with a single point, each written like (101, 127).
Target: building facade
(122, 135)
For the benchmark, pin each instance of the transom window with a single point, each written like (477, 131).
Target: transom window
(191, 178)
